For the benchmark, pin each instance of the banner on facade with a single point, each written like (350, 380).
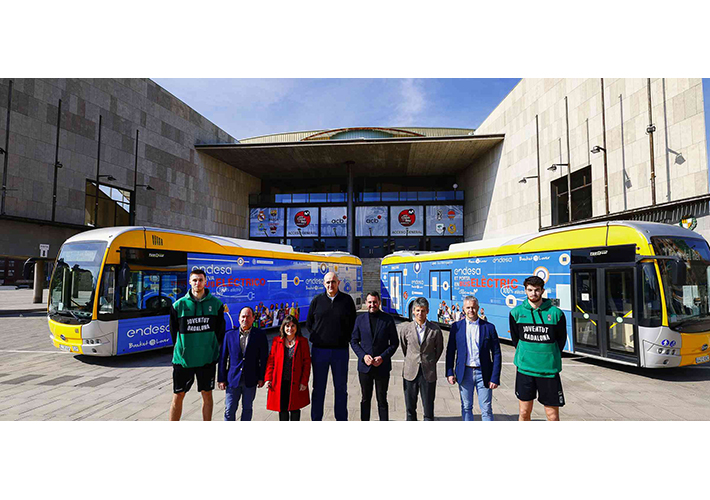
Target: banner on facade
(333, 221)
(407, 220)
(444, 220)
(266, 222)
(302, 222)
(370, 221)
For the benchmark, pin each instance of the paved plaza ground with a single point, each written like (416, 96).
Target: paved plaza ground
(38, 382)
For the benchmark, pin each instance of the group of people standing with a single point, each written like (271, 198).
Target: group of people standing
(244, 361)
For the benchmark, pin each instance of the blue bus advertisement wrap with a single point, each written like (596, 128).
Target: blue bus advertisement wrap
(273, 288)
(497, 283)
(142, 334)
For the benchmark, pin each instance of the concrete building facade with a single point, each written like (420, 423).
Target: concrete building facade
(535, 119)
(190, 191)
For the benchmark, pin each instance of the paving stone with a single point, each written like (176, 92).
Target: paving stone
(50, 385)
(58, 380)
(21, 380)
(96, 381)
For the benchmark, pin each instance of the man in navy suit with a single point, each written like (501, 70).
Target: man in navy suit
(374, 340)
(242, 365)
(473, 359)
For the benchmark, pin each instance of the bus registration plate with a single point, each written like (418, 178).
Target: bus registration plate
(702, 359)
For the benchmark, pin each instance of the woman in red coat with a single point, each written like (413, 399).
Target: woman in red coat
(287, 371)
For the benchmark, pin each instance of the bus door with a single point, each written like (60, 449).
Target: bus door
(395, 278)
(439, 286)
(603, 313)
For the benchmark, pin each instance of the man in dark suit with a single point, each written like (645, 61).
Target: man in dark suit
(473, 360)
(374, 341)
(242, 365)
(422, 345)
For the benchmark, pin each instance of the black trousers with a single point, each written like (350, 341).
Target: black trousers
(427, 390)
(284, 414)
(381, 380)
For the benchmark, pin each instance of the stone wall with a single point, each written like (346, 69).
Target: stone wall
(193, 191)
(498, 205)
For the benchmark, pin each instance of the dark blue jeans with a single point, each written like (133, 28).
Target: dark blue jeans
(231, 402)
(337, 360)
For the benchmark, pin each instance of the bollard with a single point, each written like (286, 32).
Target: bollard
(39, 282)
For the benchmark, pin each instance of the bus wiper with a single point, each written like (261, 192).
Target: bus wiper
(692, 319)
(64, 312)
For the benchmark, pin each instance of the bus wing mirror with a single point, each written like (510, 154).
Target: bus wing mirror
(28, 268)
(678, 272)
(124, 275)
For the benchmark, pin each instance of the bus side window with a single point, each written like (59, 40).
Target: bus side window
(132, 293)
(650, 296)
(108, 284)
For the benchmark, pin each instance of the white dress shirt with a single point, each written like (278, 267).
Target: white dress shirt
(420, 331)
(472, 338)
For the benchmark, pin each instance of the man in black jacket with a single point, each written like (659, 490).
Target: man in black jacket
(331, 317)
(374, 341)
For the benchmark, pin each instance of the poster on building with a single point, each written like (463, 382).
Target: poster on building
(333, 221)
(266, 222)
(302, 222)
(444, 220)
(407, 220)
(370, 221)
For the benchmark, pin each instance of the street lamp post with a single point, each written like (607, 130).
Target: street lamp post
(98, 164)
(524, 180)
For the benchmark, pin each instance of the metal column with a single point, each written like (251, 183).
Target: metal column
(7, 145)
(98, 164)
(351, 211)
(56, 162)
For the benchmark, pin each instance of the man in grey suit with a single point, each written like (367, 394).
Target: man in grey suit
(422, 344)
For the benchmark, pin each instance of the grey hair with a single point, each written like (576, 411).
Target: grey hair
(470, 298)
(421, 302)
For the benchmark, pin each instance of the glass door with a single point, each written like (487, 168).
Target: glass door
(604, 319)
(619, 311)
(585, 314)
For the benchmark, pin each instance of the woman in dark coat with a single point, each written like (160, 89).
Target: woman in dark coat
(287, 371)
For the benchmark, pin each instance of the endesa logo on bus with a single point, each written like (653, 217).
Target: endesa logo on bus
(142, 334)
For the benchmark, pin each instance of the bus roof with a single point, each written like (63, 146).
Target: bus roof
(513, 244)
(108, 234)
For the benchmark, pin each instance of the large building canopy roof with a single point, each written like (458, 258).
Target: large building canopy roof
(372, 157)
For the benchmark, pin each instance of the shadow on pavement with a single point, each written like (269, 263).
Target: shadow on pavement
(160, 357)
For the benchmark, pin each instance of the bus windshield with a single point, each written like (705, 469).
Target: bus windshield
(687, 303)
(73, 285)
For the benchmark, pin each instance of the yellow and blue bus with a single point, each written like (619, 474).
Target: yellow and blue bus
(112, 289)
(632, 292)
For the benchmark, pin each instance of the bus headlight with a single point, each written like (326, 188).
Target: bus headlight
(666, 352)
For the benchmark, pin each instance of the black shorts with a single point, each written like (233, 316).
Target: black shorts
(183, 378)
(549, 390)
